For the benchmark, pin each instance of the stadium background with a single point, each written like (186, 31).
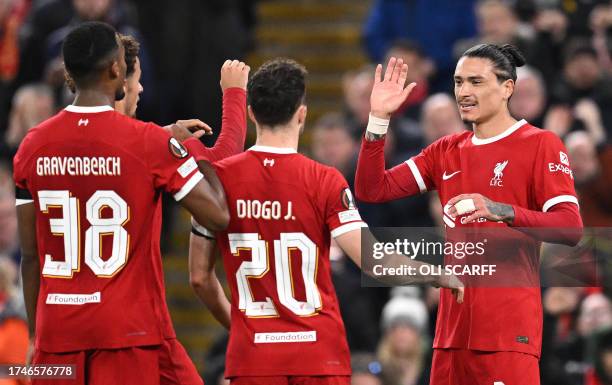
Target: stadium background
(567, 89)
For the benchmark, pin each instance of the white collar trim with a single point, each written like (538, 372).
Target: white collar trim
(495, 138)
(88, 110)
(274, 150)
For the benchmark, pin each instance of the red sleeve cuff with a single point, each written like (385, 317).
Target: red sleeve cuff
(236, 90)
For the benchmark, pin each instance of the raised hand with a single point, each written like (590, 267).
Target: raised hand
(389, 93)
(234, 73)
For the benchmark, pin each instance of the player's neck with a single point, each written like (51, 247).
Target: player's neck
(91, 98)
(280, 137)
(494, 126)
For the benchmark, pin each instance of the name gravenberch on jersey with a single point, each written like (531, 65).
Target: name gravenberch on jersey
(78, 166)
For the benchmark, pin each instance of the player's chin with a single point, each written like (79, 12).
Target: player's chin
(468, 117)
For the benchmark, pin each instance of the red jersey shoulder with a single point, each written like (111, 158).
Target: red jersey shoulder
(37, 137)
(538, 137)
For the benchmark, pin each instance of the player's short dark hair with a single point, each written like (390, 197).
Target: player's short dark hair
(505, 58)
(276, 90)
(87, 49)
(132, 49)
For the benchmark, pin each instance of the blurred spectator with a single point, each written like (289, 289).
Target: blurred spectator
(14, 341)
(568, 361)
(550, 25)
(583, 79)
(560, 304)
(402, 351)
(440, 117)
(497, 24)
(420, 68)
(366, 369)
(9, 241)
(32, 104)
(121, 15)
(357, 86)
(451, 20)
(592, 168)
(595, 314)
(12, 15)
(333, 144)
(529, 98)
(44, 18)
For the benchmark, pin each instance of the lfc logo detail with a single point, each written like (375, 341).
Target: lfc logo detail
(498, 174)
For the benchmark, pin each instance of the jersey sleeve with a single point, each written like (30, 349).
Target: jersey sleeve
(424, 166)
(20, 176)
(553, 177)
(341, 213)
(173, 168)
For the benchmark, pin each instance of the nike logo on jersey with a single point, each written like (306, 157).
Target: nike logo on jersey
(447, 177)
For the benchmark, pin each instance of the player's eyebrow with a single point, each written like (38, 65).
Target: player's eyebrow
(470, 78)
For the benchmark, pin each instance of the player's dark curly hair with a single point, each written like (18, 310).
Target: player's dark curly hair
(276, 90)
(505, 58)
(132, 48)
(88, 49)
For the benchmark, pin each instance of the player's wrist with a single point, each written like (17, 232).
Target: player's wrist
(380, 114)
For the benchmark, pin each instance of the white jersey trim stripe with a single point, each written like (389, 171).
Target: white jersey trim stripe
(273, 150)
(346, 228)
(504, 134)
(417, 175)
(559, 199)
(187, 187)
(19, 202)
(88, 110)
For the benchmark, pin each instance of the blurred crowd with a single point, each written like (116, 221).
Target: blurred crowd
(565, 88)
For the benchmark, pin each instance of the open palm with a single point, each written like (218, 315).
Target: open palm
(388, 93)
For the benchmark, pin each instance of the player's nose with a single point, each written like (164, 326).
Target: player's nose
(140, 88)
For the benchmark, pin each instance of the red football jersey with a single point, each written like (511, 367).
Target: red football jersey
(96, 178)
(523, 166)
(285, 318)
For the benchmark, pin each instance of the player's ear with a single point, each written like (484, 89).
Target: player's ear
(115, 70)
(508, 88)
(251, 115)
(301, 114)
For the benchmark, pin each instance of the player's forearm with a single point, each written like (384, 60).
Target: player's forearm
(375, 184)
(233, 129)
(211, 293)
(233, 125)
(561, 224)
(30, 276)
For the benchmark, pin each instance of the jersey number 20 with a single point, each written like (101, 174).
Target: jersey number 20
(259, 265)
